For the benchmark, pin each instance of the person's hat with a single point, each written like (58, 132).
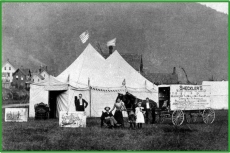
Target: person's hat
(107, 107)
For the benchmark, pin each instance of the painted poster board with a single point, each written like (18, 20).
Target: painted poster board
(190, 97)
(16, 114)
(72, 119)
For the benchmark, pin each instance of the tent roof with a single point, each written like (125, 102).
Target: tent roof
(89, 63)
(91, 67)
(119, 69)
(52, 84)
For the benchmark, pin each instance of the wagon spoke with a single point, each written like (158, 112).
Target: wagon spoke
(177, 117)
(208, 116)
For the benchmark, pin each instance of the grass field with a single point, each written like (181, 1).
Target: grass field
(47, 135)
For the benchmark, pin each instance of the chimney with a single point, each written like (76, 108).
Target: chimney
(30, 74)
(40, 69)
(174, 70)
(141, 65)
(110, 50)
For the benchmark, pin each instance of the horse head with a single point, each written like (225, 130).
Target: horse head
(130, 101)
(120, 96)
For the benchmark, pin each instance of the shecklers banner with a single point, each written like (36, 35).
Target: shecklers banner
(189, 97)
(72, 119)
(16, 114)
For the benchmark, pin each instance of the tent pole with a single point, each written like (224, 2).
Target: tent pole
(89, 97)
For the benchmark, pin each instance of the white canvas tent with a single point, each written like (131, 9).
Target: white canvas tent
(105, 77)
(39, 92)
(219, 94)
(90, 64)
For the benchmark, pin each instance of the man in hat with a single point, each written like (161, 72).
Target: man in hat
(108, 118)
(80, 103)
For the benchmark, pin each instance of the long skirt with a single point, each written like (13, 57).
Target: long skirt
(140, 118)
(119, 117)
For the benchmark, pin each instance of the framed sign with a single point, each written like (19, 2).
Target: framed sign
(16, 114)
(72, 119)
(189, 97)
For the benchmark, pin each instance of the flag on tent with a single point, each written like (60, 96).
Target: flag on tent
(88, 82)
(84, 36)
(111, 42)
(123, 83)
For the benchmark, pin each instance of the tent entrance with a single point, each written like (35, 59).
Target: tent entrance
(53, 103)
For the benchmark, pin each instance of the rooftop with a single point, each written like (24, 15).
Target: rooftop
(162, 78)
(39, 75)
(24, 71)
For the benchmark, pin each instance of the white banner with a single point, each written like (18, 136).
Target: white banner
(72, 119)
(189, 97)
(16, 114)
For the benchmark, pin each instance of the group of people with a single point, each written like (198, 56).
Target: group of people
(141, 115)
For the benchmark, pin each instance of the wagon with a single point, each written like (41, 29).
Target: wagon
(184, 102)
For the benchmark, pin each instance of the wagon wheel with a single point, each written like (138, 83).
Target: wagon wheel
(178, 117)
(208, 116)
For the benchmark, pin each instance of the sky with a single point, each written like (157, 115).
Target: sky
(220, 7)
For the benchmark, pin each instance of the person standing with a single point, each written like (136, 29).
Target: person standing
(149, 108)
(80, 103)
(120, 106)
(139, 114)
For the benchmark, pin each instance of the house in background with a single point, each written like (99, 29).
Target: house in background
(36, 77)
(162, 78)
(41, 74)
(21, 78)
(7, 72)
(44, 72)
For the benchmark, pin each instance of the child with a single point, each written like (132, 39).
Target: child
(132, 120)
(139, 114)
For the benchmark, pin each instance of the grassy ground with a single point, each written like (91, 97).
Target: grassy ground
(47, 135)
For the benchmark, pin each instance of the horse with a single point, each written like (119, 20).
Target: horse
(131, 101)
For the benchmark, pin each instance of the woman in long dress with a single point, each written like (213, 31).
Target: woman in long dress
(120, 106)
(139, 114)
